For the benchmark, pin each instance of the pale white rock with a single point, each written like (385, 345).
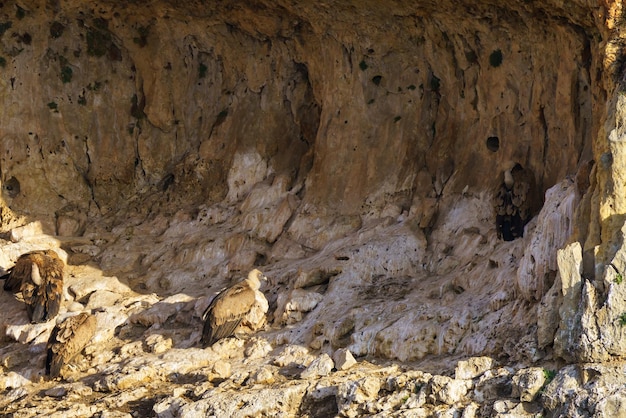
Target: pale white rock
(177, 360)
(352, 396)
(106, 324)
(228, 348)
(293, 355)
(115, 414)
(538, 265)
(511, 409)
(265, 375)
(157, 344)
(447, 390)
(322, 389)
(321, 366)
(562, 388)
(278, 402)
(293, 305)
(570, 262)
(265, 195)
(452, 412)
(473, 367)
(127, 379)
(247, 169)
(613, 405)
(12, 395)
(162, 311)
(414, 380)
(257, 348)
(30, 333)
(170, 408)
(343, 359)
(221, 370)
(74, 410)
(13, 380)
(102, 298)
(75, 307)
(12, 251)
(548, 314)
(504, 406)
(239, 377)
(29, 230)
(92, 280)
(471, 410)
(131, 349)
(527, 383)
(493, 384)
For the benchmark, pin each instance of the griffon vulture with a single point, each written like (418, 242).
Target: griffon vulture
(67, 339)
(39, 275)
(514, 203)
(228, 308)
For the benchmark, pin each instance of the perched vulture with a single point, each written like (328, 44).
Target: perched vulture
(514, 203)
(39, 275)
(67, 339)
(229, 307)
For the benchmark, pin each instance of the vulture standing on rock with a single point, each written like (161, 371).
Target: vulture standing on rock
(39, 275)
(67, 339)
(514, 203)
(228, 308)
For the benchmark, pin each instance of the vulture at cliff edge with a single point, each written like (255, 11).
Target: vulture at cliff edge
(230, 307)
(39, 276)
(514, 202)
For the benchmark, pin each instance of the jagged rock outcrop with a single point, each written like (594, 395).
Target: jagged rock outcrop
(350, 149)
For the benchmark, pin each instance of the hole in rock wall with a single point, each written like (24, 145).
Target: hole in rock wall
(12, 187)
(493, 143)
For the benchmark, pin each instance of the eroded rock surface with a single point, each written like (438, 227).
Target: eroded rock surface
(351, 151)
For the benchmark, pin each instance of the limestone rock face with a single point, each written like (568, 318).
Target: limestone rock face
(349, 149)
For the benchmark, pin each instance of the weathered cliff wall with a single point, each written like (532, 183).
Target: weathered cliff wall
(389, 105)
(349, 149)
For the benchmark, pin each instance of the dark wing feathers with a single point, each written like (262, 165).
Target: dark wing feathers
(514, 206)
(226, 311)
(43, 301)
(67, 340)
(12, 282)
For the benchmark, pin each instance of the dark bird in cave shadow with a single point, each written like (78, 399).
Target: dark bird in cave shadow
(513, 203)
(67, 339)
(229, 308)
(39, 276)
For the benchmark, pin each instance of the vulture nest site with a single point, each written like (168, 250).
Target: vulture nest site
(292, 208)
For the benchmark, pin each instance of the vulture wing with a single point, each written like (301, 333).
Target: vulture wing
(68, 339)
(226, 311)
(12, 282)
(41, 283)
